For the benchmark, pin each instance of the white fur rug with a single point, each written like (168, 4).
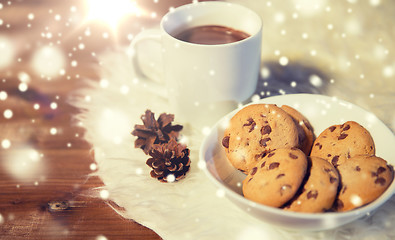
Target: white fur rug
(344, 49)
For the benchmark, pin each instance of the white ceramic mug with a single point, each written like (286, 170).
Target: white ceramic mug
(202, 82)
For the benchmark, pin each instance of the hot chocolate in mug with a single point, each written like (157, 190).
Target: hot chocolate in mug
(210, 59)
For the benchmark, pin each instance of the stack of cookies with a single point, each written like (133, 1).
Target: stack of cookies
(287, 167)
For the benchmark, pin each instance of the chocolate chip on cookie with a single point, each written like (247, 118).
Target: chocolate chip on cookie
(338, 143)
(319, 191)
(363, 179)
(256, 129)
(276, 178)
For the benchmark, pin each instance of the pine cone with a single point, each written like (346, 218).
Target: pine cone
(170, 158)
(155, 131)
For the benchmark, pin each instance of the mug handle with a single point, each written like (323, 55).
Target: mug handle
(133, 53)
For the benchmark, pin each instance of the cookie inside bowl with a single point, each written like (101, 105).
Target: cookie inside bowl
(230, 179)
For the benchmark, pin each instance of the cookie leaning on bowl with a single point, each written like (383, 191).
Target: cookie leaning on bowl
(305, 130)
(350, 148)
(363, 178)
(256, 129)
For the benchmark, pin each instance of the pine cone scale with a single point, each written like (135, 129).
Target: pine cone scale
(149, 119)
(172, 168)
(143, 134)
(157, 165)
(139, 143)
(165, 119)
(155, 175)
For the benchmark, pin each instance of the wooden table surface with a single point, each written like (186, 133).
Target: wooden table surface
(44, 160)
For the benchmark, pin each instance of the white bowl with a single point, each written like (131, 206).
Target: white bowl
(322, 112)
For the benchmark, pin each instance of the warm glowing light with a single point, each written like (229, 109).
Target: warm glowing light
(7, 51)
(93, 166)
(3, 95)
(48, 61)
(101, 237)
(111, 12)
(356, 200)
(104, 194)
(24, 164)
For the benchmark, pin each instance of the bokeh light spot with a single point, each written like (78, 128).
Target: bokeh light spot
(5, 143)
(7, 52)
(3, 95)
(48, 61)
(8, 113)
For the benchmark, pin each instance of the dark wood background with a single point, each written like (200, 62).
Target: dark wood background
(46, 199)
